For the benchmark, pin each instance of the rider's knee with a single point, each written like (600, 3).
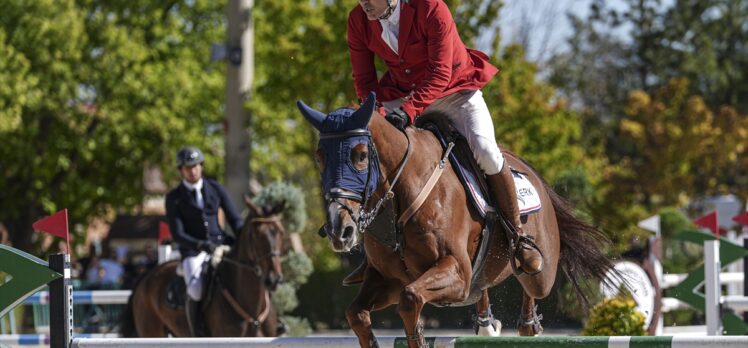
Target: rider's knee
(488, 156)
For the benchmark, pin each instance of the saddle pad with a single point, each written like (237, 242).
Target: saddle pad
(528, 199)
(527, 196)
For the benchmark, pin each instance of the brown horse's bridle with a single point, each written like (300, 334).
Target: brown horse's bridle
(253, 264)
(364, 217)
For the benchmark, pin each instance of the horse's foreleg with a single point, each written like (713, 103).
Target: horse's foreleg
(375, 293)
(485, 324)
(442, 283)
(529, 320)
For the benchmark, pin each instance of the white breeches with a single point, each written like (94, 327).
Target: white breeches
(468, 113)
(193, 269)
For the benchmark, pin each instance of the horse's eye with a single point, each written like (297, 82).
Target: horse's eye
(360, 157)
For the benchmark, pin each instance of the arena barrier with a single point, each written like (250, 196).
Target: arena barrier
(436, 342)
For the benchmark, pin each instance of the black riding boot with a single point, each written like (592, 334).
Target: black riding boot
(194, 317)
(505, 195)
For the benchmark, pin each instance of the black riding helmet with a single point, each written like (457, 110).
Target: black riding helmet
(189, 156)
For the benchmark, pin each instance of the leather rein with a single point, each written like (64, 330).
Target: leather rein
(252, 265)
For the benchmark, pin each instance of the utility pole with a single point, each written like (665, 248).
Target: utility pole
(239, 75)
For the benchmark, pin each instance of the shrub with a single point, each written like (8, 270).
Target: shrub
(616, 316)
(294, 216)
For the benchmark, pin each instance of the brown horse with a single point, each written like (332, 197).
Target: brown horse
(364, 161)
(236, 305)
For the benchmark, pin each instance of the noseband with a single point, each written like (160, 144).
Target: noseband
(364, 217)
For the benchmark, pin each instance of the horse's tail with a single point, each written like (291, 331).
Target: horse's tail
(582, 247)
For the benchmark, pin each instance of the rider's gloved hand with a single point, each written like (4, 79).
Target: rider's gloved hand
(207, 246)
(398, 118)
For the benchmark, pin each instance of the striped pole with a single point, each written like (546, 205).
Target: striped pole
(41, 339)
(436, 342)
(85, 297)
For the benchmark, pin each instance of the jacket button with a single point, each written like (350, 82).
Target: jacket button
(407, 71)
(412, 85)
(402, 61)
(206, 223)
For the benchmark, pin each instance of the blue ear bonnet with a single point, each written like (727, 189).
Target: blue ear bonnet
(341, 131)
(339, 170)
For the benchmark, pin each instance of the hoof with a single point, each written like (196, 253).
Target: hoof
(487, 327)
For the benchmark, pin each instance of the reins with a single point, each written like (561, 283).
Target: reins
(252, 265)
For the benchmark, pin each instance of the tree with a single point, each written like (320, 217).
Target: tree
(99, 91)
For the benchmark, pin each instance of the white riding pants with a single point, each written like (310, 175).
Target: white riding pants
(468, 113)
(193, 269)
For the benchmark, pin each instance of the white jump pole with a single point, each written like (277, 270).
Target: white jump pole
(713, 291)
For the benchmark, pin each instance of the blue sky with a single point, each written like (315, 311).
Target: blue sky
(546, 21)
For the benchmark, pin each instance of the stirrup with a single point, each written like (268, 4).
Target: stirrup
(525, 242)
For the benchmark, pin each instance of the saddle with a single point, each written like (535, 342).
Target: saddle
(471, 175)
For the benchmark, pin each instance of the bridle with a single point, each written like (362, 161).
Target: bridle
(253, 263)
(250, 321)
(364, 217)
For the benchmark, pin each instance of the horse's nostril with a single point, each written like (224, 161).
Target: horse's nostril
(348, 232)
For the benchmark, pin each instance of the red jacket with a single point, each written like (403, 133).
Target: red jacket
(432, 62)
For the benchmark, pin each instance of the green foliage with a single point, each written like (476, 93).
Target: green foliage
(297, 327)
(93, 91)
(296, 268)
(616, 316)
(294, 216)
(284, 298)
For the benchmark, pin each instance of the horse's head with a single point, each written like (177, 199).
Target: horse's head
(263, 235)
(349, 167)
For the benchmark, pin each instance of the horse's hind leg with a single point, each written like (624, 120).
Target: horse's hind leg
(375, 293)
(485, 324)
(529, 320)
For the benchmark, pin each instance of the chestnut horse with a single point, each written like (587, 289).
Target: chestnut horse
(236, 305)
(364, 161)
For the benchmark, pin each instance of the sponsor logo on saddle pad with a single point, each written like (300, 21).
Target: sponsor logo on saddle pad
(527, 196)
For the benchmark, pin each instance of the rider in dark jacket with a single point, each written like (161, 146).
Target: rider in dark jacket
(192, 211)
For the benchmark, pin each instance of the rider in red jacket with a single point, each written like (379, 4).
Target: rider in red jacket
(429, 69)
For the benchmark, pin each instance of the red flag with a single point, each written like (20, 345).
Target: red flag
(709, 221)
(741, 219)
(163, 232)
(56, 224)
